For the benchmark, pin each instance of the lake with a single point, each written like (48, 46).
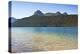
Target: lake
(26, 39)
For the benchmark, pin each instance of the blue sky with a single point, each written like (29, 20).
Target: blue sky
(26, 9)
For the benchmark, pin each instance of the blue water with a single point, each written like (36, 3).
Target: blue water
(73, 31)
(46, 29)
(22, 36)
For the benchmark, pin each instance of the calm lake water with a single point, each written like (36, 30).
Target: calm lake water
(73, 31)
(23, 35)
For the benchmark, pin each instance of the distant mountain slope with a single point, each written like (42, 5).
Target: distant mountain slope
(47, 21)
(50, 14)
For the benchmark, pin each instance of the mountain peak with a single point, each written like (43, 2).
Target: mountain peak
(38, 13)
(58, 13)
(65, 13)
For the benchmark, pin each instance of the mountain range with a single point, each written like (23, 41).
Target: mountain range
(39, 13)
(39, 19)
